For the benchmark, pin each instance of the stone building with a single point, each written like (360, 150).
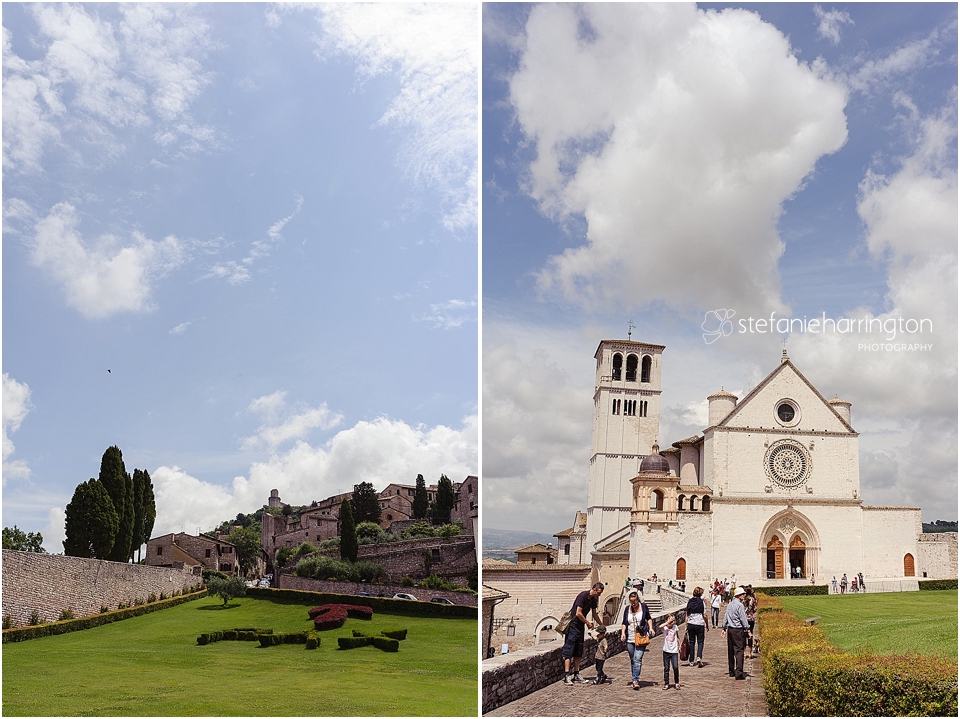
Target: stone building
(571, 543)
(490, 597)
(537, 554)
(769, 491)
(178, 548)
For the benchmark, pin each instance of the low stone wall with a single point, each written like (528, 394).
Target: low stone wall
(288, 581)
(509, 677)
(409, 558)
(50, 583)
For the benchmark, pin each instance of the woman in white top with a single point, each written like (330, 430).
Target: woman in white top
(636, 621)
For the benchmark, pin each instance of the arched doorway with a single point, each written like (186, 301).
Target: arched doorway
(798, 558)
(908, 568)
(610, 611)
(544, 631)
(682, 569)
(775, 558)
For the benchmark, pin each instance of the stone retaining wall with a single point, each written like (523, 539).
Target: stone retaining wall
(509, 677)
(288, 581)
(50, 583)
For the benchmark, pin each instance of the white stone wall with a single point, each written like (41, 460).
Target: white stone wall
(937, 555)
(889, 533)
(537, 597)
(656, 549)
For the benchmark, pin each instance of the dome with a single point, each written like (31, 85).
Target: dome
(655, 462)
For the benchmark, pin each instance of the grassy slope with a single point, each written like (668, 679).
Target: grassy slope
(924, 622)
(152, 666)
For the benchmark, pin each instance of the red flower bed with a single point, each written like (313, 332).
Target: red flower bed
(332, 616)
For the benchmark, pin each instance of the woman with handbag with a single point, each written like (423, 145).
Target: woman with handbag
(696, 627)
(636, 630)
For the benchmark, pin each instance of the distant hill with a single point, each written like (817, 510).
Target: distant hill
(939, 526)
(501, 543)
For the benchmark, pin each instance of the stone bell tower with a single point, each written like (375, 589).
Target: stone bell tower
(626, 424)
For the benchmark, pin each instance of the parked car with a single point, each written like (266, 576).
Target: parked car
(250, 583)
(441, 600)
(264, 583)
(409, 597)
(364, 594)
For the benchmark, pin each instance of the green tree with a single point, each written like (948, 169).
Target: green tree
(119, 485)
(226, 588)
(91, 522)
(446, 498)
(348, 533)
(369, 533)
(365, 503)
(138, 488)
(149, 508)
(248, 547)
(21, 541)
(421, 504)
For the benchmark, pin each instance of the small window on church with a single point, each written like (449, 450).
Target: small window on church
(632, 368)
(566, 549)
(630, 407)
(786, 412)
(705, 506)
(617, 366)
(656, 501)
(616, 406)
(645, 369)
(680, 501)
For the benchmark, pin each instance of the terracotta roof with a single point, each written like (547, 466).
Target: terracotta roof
(511, 567)
(536, 548)
(721, 393)
(564, 532)
(493, 593)
(496, 562)
(837, 400)
(695, 439)
(622, 545)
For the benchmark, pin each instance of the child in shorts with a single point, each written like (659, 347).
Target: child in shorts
(603, 650)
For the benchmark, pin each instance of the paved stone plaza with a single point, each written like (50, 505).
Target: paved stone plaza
(706, 691)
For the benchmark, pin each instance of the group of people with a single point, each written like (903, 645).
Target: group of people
(856, 585)
(637, 629)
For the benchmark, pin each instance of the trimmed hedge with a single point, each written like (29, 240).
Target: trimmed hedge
(332, 616)
(243, 634)
(801, 590)
(378, 604)
(804, 675)
(388, 640)
(937, 584)
(20, 634)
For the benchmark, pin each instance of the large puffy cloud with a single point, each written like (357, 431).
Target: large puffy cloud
(16, 406)
(380, 452)
(432, 48)
(103, 277)
(282, 425)
(95, 77)
(677, 134)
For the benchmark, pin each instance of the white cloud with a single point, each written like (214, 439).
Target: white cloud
(181, 328)
(103, 277)
(55, 531)
(95, 77)
(281, 425)
(830, 22)
(16, 406)
(433, 49)
(379, 452)
(873, 75)
(448, 315)
(677, 134)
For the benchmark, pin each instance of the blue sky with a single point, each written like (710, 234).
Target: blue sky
(656, 162)
(262, 220)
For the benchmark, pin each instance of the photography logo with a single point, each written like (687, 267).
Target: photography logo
(717, 324)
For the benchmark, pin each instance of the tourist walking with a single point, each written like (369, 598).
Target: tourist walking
(572, 650)
(715, 607)
(671, 652)
(736, 627)
(636, 630)
(862, 587)
(834, 585)
(843, 583)
(696, 625)
(750, 606)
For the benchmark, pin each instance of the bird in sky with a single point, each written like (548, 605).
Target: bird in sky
(109, 371)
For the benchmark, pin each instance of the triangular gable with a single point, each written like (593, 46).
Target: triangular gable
(758, 408)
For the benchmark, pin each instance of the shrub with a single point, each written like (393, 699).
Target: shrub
(804, 675)
(34, 617)
(67, 614)
(138, 602)
(449, 530)
(798, 591)
(418, 530)
(320, 567)
(328, 545)
(378, 604)
(94, 620)
(152, 598)
(210, 573)
(226, 589)
(162, 596)
(283, 556)
(313, 640)
(435, 582)
(938, 584)
(400, 634)
(304, 549)
(385, 643)
(366, 572)
(104, 609)
(407, 582)
(369, 533)
(352, 642)
(7, 621)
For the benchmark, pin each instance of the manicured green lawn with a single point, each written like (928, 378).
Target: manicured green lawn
(894, 623)
(152, 666)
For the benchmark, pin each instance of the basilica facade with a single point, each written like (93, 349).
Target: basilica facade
(768, 492)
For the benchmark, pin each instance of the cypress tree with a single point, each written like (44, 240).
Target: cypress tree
(149, 508)
(446, 498)
(119, 485)
(421, 504)
(348, 533)
(91, 522)
(137, 512)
